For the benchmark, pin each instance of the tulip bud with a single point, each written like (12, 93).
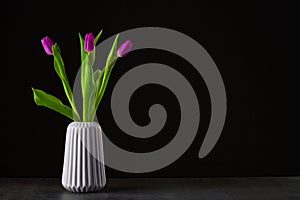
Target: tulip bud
(124, 49)
(89, 42)
(47, 44)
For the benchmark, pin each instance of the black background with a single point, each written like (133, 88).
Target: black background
(255, 46)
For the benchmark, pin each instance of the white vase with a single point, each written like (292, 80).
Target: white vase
(84, 169)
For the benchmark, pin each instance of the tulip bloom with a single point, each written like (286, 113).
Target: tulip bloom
(124, 49)
(89, 42)
(47, 44)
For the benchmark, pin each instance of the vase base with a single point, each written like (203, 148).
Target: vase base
(84, 189)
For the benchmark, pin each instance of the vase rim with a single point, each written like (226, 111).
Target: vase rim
(84, 124)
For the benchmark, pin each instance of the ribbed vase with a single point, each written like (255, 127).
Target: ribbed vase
(84, 169)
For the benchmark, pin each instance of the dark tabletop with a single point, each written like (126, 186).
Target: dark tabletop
(156, 188)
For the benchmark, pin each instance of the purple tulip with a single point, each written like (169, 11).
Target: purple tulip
(89, 42)
(124, 49)
(47, 44)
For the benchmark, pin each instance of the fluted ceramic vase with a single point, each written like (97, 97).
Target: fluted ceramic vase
(83, 168)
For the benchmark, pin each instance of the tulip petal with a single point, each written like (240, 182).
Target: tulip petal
(47, 44)
(89, 42)
(124, 49)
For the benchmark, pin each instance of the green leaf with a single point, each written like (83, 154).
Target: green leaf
(97, 75)
(83, 52)
(91, 103)
(97, 37)
(104, 82)
(102, 86)
(85, 79)
(58, 62)
(87, 85)
(110, 62)
(91, 57)
(57, 70)
(60, 70)
(113, 52)
(41, 98)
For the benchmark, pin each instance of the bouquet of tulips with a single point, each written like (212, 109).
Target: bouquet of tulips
(93, 82)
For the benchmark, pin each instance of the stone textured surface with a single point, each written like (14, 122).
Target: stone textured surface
(284, 188)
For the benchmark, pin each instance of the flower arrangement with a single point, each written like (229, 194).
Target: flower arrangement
(93, 82)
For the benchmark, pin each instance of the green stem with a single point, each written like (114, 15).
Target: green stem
(84, 92)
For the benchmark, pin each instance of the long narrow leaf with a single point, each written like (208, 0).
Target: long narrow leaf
(87, 84)
(58, 60)
(113, 52)
(41, 98)
(97, 75)
(110, 61)
(91, 58)
(82, 52)
(104, 82)
(91, 103)
(102, 86)
(97, 37)
(57, 70)
(60, 70)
